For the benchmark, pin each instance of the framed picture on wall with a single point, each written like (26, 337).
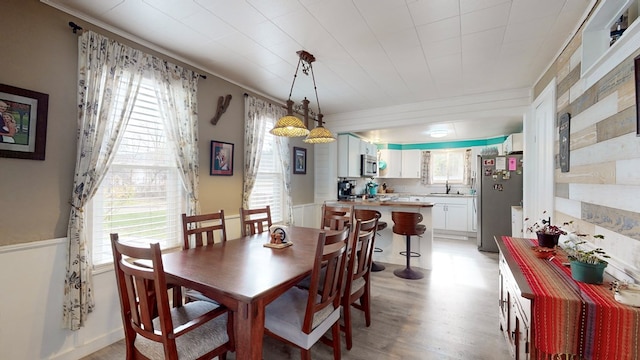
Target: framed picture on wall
(221, 158)
(23, 123)
(299, 160)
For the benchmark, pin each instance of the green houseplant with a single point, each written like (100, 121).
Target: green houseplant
(547, 233)
(587, 265)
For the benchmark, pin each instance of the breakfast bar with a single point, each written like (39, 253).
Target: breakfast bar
(392, 244)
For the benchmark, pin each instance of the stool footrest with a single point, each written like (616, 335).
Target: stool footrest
(413, 254)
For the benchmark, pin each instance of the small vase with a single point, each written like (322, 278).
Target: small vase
(547, 240)
(587, 273)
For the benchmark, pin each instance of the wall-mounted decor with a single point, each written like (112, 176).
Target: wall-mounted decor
(223, 104)
(221, 158)
(299, 160)
(636, 65)
(23, 123)
(564, 124)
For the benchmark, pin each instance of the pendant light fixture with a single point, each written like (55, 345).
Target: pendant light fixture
(290, 125)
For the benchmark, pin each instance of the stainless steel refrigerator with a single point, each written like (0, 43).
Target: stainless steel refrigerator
(499, 188)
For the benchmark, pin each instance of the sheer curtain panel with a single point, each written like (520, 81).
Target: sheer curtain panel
(107, 71)
(109, 78)
(177, 92)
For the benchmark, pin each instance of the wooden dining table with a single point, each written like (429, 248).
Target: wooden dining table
(245, 276)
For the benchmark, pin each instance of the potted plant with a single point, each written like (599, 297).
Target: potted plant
(547, 234)
(372, 187)
(587, 265)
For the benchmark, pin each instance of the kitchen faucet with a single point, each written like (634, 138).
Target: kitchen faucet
(447, 186)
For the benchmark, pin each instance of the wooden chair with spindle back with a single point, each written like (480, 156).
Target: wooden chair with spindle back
(301, 317)
(336, 217)
(255, 221)
(202, 229)
(197, 330)
(357, 288)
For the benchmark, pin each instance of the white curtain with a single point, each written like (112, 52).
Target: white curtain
(257, 115)
(467, 167)
(285, 157)
(425, 177)
(255, 126)
(107, 72)
(110, 73)
(177, 90)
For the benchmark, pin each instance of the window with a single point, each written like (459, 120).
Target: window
(447, 166)
(269, 186)
(142, 196)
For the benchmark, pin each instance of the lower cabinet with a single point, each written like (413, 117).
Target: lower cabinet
(450, 213)
(515, 314)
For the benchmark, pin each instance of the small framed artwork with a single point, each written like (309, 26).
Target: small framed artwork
(221, 158)
(23, 123)
(299, 160)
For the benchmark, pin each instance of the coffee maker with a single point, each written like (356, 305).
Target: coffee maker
(346, 189)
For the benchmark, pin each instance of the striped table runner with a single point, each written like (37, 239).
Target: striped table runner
(574, 320)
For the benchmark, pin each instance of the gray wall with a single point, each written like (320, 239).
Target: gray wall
(39, 53)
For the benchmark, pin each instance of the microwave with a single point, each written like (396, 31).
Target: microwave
(369, 165)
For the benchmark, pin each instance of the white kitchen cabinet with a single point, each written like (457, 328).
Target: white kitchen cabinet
(367, 148)
(451, 213)
(393, 159)
(513, 143)
(517, 227)
(348, 156)
(411, 164)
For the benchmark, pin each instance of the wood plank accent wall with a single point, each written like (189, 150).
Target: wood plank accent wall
(600, 193)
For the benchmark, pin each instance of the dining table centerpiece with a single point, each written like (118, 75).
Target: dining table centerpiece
(547, 233)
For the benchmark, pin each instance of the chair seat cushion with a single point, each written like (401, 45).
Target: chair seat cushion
(357, 284)
(418, 230)
(285, 316)
(194, 343)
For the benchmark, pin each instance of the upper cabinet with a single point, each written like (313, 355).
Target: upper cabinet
(411, 164)
(368, 148)
(400, 163)
(349, 156)
(513, 144)
(391, 163)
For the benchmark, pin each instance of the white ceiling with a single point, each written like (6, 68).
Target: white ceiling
(370, 54)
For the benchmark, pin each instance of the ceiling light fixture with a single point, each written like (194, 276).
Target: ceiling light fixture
(290, 125)
(439, 133)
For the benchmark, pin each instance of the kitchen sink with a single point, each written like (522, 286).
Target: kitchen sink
(449, 194)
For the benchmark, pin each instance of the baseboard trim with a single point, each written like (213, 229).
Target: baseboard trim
(82, 350)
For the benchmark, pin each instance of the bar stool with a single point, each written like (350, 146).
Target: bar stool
(407, 223)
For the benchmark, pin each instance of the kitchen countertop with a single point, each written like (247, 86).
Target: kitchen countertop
(384, 203)
(425, 195)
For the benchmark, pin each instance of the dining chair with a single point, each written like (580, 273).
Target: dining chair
(333, 218)
(255, 221)
(336, 217)
(301, 317)
(197, 330)
(357, 289)
(367, 214)
(202, 229)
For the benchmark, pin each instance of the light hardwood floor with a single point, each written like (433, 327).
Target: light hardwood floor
(450, 314)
